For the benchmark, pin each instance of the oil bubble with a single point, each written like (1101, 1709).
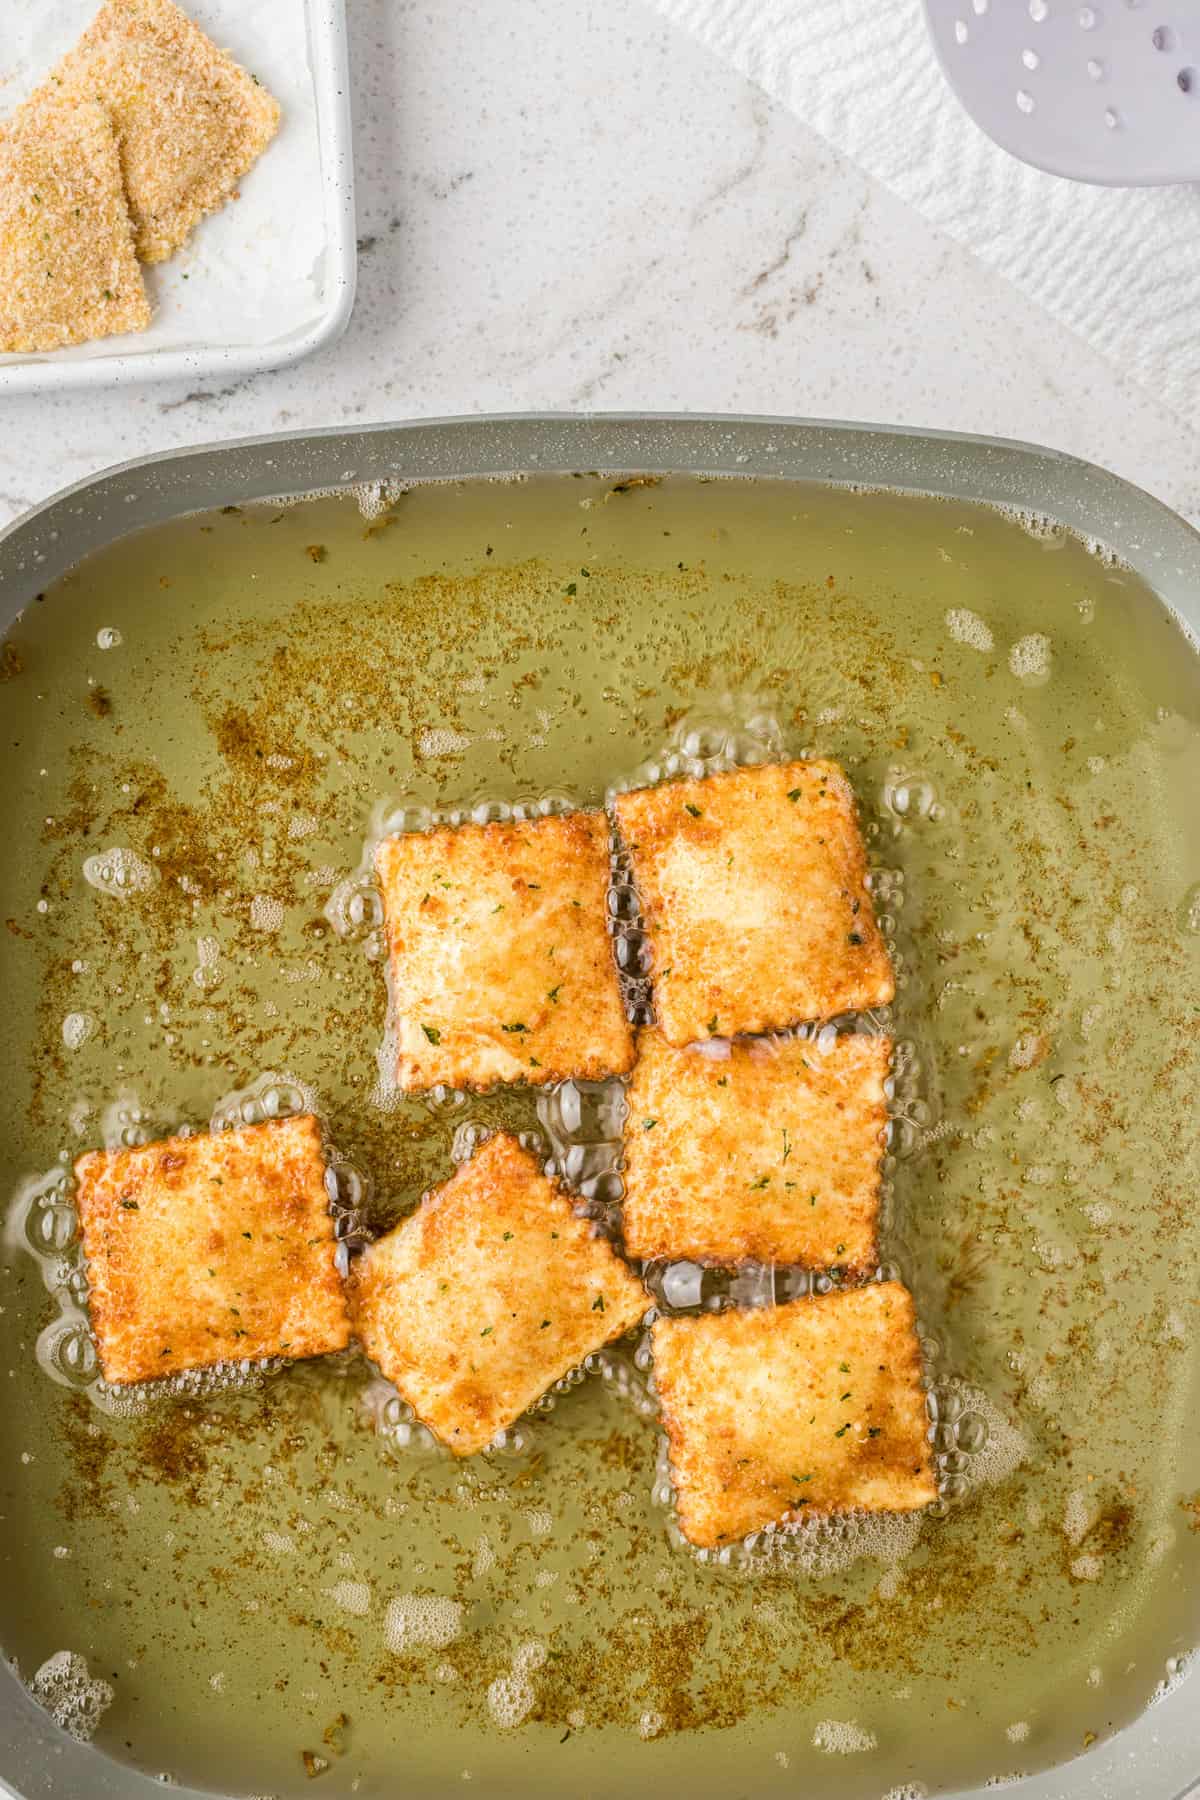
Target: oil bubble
(48, 1221)
(753, 1285)
(966, 627)
(1189, 910)
(77, 1028)
(583, 1112)
(443, 1099)
(1029, 659)
(70, 1353)
(1177, 1668)
(272, 1095)
(467, 1139)
(603, 1190)
(585, 1163)
(266, 913)
(119, 873)
(75, 1700)
(972, 1432)
(908, 796)
(682, 1285)
(634, 956)
(421, 1620)
(207, 973)
(840, 1737)
(623, 903)
(739, 731)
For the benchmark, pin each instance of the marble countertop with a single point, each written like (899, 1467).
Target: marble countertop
(579, 208)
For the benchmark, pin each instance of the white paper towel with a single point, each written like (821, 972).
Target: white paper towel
(1119, 266)
(250, 274)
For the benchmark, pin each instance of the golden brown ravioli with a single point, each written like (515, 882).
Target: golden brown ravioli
(501, 962)
(480, 1300)
(768, 1153)
(754, 889)
(781, 1413)
(210, 1249)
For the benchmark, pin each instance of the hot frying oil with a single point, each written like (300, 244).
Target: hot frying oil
(277, 1575)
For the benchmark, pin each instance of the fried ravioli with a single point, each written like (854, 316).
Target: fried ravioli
(770, 1153)
(485, 1296)
(782, 1413)
(754, 888)
(210, 1248)
(502, 967)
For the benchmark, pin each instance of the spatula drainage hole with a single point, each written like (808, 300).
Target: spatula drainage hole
(1162, 37)
(1187, 81)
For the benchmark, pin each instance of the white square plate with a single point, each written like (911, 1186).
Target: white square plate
(270, 277)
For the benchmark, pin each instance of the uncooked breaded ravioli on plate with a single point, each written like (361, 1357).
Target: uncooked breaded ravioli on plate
(754, 888)
(486, 1295)
(189, 121)
(769, 1152)
(210, 1248)
(782, 1413)
(502, 967)
(68, 271)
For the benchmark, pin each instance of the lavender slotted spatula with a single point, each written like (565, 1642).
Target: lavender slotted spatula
(1106, 92)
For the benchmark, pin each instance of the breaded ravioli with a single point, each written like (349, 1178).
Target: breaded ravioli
(209, 1249)
(779, 1413)
(501, 963)
(754, 889)
(770, 1153)
(481, 1299)
(67, 266)
(189, 121)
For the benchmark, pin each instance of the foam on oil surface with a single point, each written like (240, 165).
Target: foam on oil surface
(842, 1737)
(421, 1619)
(75, 1699)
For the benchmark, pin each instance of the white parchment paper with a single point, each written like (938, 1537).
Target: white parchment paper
(254, 272)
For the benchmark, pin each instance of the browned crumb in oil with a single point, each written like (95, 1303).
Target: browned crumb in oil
(89, 1489)
(1191, 1506)
(620, 1450)
(334, 1734)
(630, 482)
(99, 701)
(173, 1448)
(1111, 1534)
(11, 663)
(316, 552)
